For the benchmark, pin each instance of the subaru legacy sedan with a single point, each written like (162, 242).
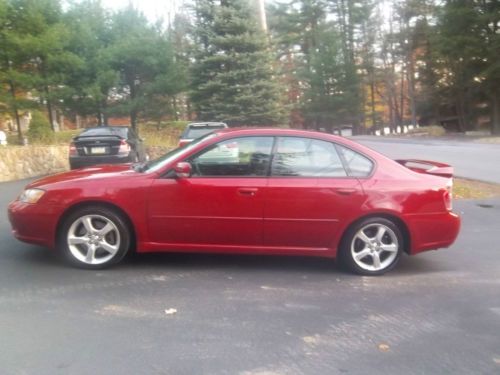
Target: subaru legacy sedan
(249, 191)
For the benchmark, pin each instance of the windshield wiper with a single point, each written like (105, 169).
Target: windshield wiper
(140, 166)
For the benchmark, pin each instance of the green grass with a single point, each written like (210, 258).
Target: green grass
(470, 189)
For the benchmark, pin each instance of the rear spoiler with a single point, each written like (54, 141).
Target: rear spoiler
(428, 167)
(99, 137)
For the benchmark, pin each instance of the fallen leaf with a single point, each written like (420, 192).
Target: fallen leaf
(384, 347)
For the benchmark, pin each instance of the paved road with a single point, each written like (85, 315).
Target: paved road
(438, 313)
(480, 161)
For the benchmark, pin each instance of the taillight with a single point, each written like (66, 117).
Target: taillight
(448, 195)
(72, 149)
(124, 147)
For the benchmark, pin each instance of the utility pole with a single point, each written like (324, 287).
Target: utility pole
(262, 15)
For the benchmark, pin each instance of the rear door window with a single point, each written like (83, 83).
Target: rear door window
(306, 157)
(357, 165)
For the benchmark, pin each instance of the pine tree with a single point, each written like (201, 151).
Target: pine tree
(89, 82)
(232, 77)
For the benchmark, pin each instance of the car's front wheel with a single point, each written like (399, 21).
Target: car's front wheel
(372, 246)
(94, 238)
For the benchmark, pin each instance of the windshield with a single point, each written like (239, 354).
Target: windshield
(154, 165)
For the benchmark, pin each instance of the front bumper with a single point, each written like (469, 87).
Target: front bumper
(33, 223)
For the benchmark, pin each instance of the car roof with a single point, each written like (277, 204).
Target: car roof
(298, 133)
(278, 132)
(205, 124)
(107, 127)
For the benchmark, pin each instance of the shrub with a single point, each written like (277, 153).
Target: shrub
(40, 130)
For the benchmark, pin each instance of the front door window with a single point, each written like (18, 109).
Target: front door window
(238, 157)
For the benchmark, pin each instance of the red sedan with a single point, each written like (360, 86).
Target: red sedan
(252, 191)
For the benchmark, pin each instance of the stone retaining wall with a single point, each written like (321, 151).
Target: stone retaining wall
(17, 162)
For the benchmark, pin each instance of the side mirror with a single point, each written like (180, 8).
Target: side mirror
(183, 169)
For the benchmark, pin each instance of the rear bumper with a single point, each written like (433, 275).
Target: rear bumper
(88, 161)
(432, 231)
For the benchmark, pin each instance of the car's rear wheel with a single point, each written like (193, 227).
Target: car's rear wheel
(372, 246)
(94, 238)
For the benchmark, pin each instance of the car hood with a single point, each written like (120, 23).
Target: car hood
(84, 174)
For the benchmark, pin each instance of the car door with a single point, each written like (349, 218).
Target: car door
(221, 203)
(309, 194)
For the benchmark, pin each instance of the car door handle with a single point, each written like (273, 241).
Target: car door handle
(345, 191)
(248, 191)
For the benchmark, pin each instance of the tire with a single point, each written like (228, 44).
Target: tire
(94, 237)
(372, 246)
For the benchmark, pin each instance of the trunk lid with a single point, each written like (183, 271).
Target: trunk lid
(97, 146)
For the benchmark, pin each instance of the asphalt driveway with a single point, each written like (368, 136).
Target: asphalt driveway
(438, 312)
(479, 161)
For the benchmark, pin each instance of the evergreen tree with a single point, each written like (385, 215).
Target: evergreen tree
(41, 37)
(143, 57)
(320, 39)
(232, 77)
(90, 80)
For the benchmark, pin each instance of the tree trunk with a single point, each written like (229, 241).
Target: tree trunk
(49, 108)
(133, 119)
(99, 117)
(174, 106)
(16, 113)
(495, 113)
(133, 110)
(372, 99)
(460, 112)
(188, 108)
(402, 99)
(411, 91)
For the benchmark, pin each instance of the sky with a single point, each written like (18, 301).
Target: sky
(152, 9)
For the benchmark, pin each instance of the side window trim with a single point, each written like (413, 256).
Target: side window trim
(342, 159)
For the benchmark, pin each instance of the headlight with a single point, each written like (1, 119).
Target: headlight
(31, 195)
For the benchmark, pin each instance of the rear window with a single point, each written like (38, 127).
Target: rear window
(103, 131)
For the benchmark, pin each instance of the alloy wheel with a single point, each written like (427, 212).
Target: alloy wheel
(93, 239)
(374, 247)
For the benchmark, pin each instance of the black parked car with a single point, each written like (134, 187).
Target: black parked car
(106, 145)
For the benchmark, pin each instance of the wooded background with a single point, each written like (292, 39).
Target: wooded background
(319, 64)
